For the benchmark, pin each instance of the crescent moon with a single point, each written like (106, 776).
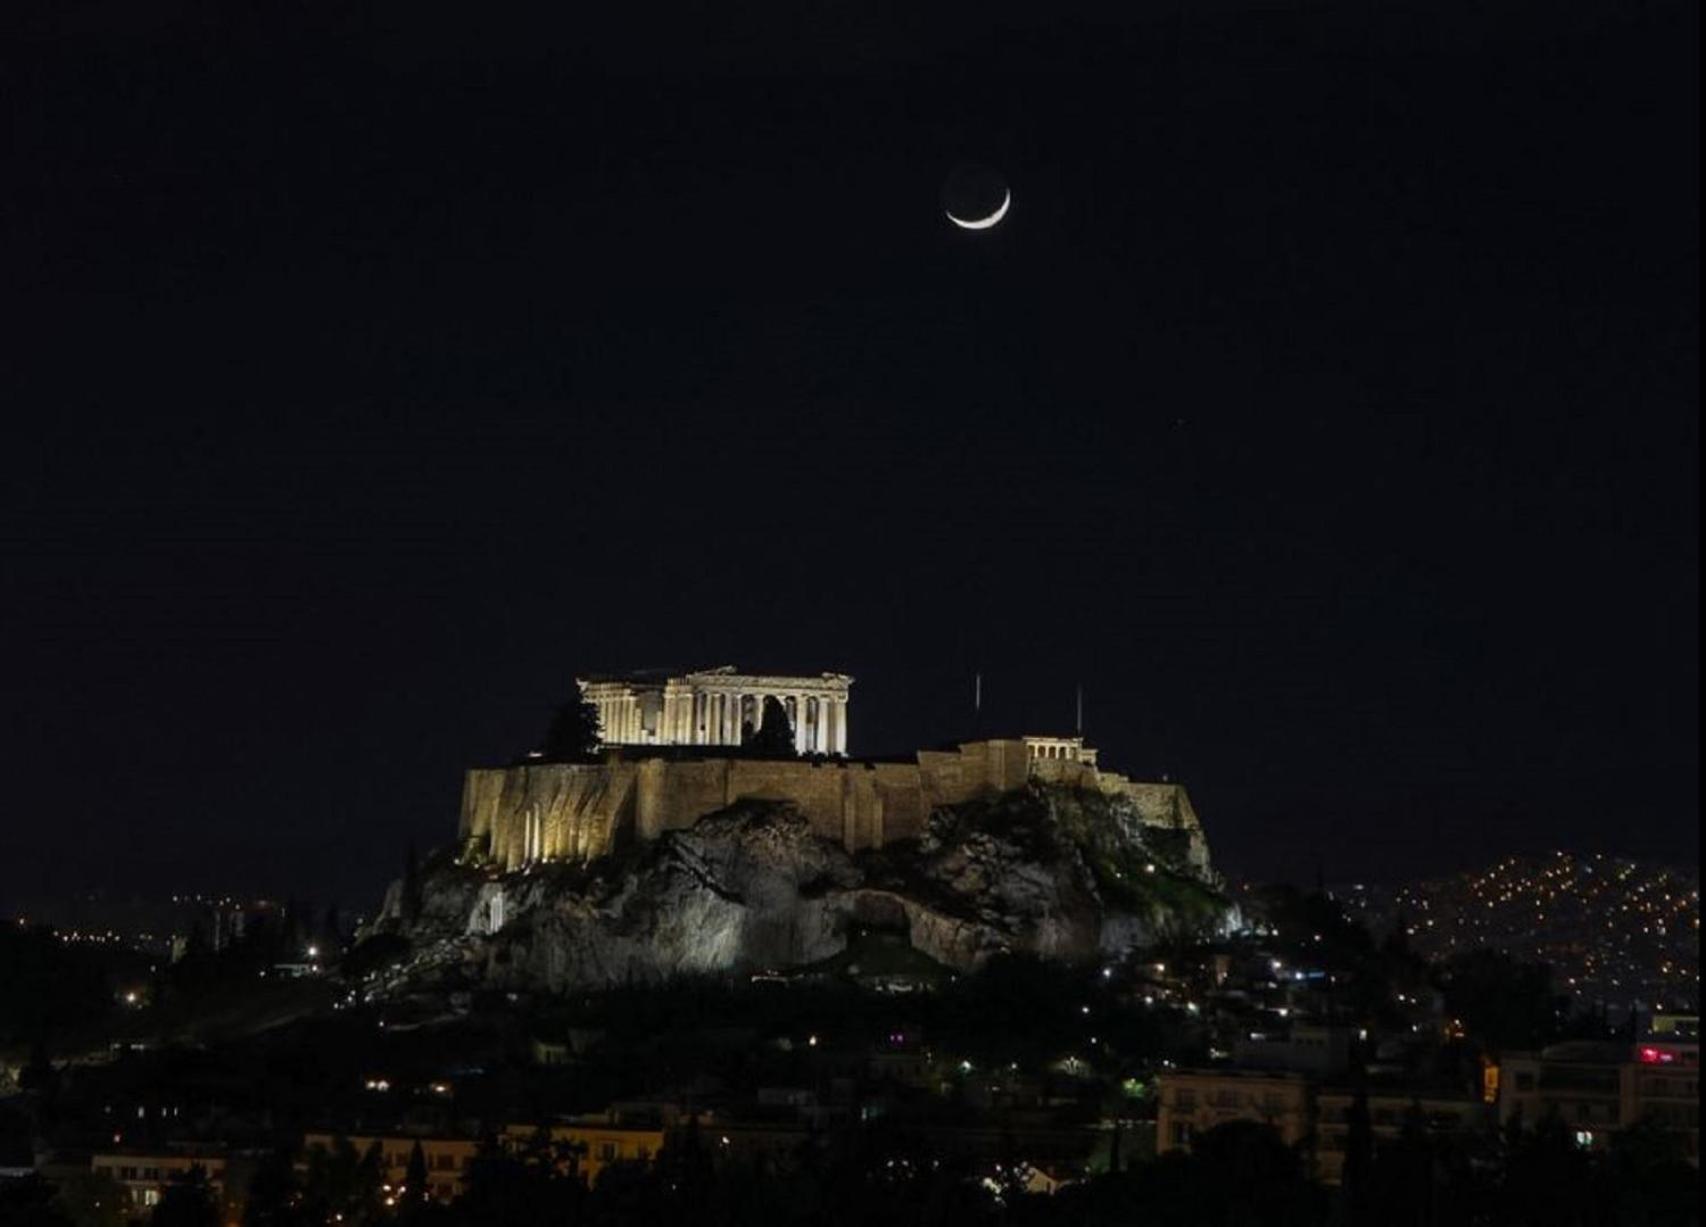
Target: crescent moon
(986, 222)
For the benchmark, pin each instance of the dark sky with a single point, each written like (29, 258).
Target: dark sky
(1326, 405)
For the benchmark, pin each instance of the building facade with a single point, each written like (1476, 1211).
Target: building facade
(1192, 1102)
(1321, 1052)
(447, 1159)
(593, 1143)
(718, 707)
(146, 1176)
(1313, 1118)
(1596, 1089)
(1390, 1111)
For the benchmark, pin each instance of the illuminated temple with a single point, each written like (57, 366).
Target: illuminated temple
(668, 757)
(717, 707)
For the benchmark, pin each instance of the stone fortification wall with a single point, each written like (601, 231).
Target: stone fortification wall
(575, 811)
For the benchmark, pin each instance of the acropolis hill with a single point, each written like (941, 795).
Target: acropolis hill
(698, 837)
(671, 756)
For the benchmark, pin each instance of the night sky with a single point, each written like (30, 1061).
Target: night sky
(1326, 406)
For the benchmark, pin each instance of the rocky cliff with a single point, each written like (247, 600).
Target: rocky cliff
(1052, 871)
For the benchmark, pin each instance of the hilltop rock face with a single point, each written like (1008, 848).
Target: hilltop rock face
(1052, 872)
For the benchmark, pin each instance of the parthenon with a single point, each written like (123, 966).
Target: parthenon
(717, 707)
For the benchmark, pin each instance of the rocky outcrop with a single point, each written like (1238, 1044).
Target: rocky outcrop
(1056, 872)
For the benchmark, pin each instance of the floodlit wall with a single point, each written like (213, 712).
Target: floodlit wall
(538, 812)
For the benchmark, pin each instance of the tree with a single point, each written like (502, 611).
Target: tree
(520, 1188)
(1649, 1178)
(1238, 1174)
(332, 933)
(1401, 1184)
(295, 934)
(187, 1203)
(29, 1202)
(93, 1199)
(342, 1185)
(1547, 1178)
(1359, 1159)
(415, 1187)
(272, 1196)
(574, 735)
(1260, 1178)
(38, 1073)
(775, 735)
(411, 899)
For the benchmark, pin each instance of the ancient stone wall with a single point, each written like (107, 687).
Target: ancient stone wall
(535, 812)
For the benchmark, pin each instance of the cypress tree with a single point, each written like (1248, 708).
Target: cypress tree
(775, 736)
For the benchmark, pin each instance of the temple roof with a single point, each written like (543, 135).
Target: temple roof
(659, 676)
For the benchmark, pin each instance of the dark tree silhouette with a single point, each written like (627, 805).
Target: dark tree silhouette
(775, 736)
(1257, 1177)
(524, 1187)
(411, 900)
(187, 1203)
(1359, 1160)
(341, 1185)
(416, 1189)
(38, 1073)
(91, 1199)
(332, 932)
(574, 734)
(29, 1202)
(271, 1200)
